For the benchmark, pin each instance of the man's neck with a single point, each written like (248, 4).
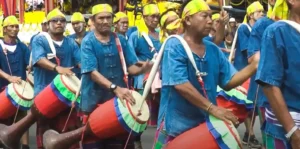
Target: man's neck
(252, 22)
(294, 17)
(56, 37)
(102, 37)
(9, 40)
(80, 34)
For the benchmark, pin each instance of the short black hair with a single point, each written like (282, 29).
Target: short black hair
(164, 13)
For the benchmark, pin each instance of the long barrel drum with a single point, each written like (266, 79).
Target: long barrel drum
(55, 98)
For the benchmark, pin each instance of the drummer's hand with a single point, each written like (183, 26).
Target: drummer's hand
(223, 114)
(124, 94)
(14, 79)
(145, 66)
(64, 70)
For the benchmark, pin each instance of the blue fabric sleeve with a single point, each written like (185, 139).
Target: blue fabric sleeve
(27, 54)
(38, 50)
(271, 69)
(174, 63)
(88, 57)
(133, 40)
(76, 52)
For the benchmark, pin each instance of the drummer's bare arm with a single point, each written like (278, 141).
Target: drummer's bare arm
(241, 76)
(46, 64)
(11, 79)
(140, 68)
(279, 107)
(190, 93)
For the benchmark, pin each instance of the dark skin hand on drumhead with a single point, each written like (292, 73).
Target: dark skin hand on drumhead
(124, 94)
(223, 114)
(14, 79)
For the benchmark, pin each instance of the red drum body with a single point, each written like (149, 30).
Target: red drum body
(236, 100)
(13, 97)
(113, 119)
(213, 134)
(57, 96)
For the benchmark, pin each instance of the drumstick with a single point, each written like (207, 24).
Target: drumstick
(73, 105)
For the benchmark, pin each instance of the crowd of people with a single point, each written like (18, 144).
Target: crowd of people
(200, 53)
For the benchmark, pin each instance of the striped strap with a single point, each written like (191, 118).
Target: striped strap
(122, 58)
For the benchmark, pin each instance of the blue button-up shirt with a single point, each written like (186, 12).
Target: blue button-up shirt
(104, 58)
(68, 54)
(17, 60)
(279, 66)
(254, 45)
(143, 52)
(240, 58)
(180, 115)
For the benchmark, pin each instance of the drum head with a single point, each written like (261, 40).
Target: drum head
(135, 109)
(71, 82)
(30, 77)
(24, 90)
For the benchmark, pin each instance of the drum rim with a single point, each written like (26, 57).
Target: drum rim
(21, 96)
(67, 86)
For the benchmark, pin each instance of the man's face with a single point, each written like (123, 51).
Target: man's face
(122, 25)
(200, 22)
(152, 20)
(169, 21)
(257, 14)
(78, 26)
(57, 25)
(232, 24)
(103, 22)
(216, 23)
(11, 31)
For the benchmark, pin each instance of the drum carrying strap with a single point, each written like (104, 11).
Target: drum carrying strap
(53, 50)
(122, 58)
(149, 42)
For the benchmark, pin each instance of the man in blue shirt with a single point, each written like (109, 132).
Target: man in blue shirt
(182, 94)
(78, 24)
(14, 59)
(102, 70)
(45, 69)
(278, 74)
(254, 45)
(121, 24)
(145, 45)
(254, 12)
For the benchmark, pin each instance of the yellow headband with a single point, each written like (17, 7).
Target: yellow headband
(255, 6)
(10, 20)
(77, 17)
(119, 15)
(215, 16)
(193, 7)
(45, 20)
(172, 26)
(55, 13)
(101, 8)
(173, 5)
(279, 12)
(166, 16)
(150, 9)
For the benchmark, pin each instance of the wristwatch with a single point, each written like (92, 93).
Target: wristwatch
(113, 87)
